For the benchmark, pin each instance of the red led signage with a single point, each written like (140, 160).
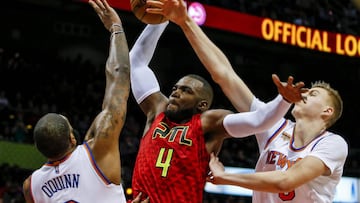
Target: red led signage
(274, 30)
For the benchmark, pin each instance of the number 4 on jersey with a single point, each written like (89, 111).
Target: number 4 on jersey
(166, 164)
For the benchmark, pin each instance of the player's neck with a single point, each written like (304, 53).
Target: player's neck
(305, 132)
(61, 157)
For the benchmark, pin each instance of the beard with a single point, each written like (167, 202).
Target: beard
(180, 116)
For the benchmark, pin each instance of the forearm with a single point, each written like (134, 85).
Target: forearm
(249, 123)
(117, 89)
(143, 50)
(118, 60)
(209, 54)
(117, 64)
(218, 65)
(260, 181)
(143, 79)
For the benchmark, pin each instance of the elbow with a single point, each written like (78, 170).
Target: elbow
(220, 77)
(217, 78)
(123, 68)
(284, 185)
(117, 70)
(261, 124)
(219, 74)
(225, 75)
(135, 59)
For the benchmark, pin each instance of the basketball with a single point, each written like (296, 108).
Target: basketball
(138, 7)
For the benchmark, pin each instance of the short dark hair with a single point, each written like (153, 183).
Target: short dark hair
(52, 135)
(208, 93)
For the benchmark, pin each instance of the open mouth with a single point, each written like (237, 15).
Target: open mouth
(304, 99)
(172, 103)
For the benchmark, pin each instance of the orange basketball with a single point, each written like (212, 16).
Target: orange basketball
(138, 7)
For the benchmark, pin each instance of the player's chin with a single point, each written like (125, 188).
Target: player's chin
(171, 112)
(172, 108)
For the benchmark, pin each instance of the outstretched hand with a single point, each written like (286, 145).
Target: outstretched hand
(290, 92)
(107, 14)
(174, 10)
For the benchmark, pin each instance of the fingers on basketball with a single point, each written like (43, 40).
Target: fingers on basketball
(138, 7)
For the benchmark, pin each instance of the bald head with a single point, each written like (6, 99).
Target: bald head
(52, 135)
(207, 92)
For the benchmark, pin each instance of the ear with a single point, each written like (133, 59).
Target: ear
(73, 139)
(328, 112)
(203, 105)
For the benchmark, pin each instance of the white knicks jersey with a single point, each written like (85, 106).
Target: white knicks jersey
(277, 152)
(76, 179)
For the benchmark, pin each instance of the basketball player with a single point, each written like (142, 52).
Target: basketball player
(181, 131)
(299, 162)
(90, 172)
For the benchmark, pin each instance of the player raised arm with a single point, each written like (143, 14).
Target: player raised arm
(105, 129)
(248, 123)
(144, 84)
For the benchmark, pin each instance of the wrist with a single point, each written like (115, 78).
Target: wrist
(286, 100)
(116, 27)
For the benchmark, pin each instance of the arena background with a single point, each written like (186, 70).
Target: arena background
(52, 56)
